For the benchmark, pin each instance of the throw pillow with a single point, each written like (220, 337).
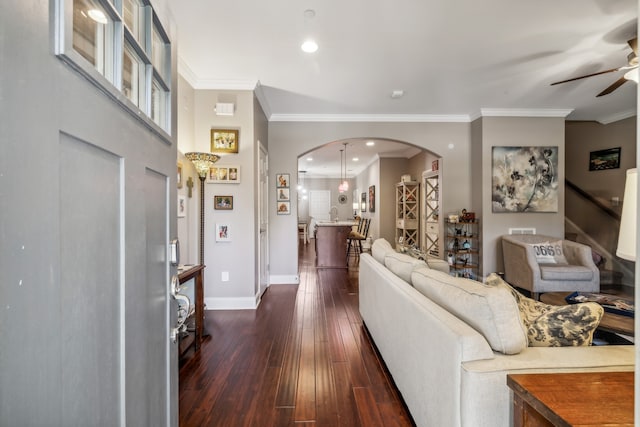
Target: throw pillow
(402, 265)
(554, 325)
(549, 252)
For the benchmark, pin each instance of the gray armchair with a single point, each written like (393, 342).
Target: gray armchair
(572, 269)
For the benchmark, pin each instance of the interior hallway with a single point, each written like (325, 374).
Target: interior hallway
(301, 357)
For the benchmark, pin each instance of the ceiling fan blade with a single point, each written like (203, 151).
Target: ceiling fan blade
(613, 87)
(588, 75)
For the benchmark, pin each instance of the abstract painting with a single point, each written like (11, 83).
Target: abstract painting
(525, 179)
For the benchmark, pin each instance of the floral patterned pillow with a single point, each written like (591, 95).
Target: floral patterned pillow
(555, 325)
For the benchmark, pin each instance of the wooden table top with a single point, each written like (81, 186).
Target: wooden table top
(578, 399)
(611, 322)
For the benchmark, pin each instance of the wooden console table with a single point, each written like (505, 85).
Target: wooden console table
(186, 273)
(572, 399)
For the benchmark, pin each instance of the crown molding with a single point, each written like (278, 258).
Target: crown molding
(396, 118)
(525, 112)
(616, 117)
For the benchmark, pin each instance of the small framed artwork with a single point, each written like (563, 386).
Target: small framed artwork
(283, 194)
(363, 202)
(604, 159)
(224, 203)
(284, 208)
(224, 175)
(372, 198)
(223, 233)
(282, 180)
(179, 179)
(224, 140)
(182, 206)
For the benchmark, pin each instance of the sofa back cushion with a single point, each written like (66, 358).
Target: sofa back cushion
(490, 310)
(380, 248)
(402, 265)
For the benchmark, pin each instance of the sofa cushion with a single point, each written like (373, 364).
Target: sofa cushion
(554, 325)
(380, 248)
(402, 265)
(565, 272)
(549, 252)
(490, 310)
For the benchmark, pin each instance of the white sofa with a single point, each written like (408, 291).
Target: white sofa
(447, 371)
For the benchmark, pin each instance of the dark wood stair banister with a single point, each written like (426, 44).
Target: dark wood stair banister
(593, 200)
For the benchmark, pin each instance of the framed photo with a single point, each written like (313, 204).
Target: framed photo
(282, 180)
(224, 175)
(372, 198)
(283, 194)
(284, 208)
(223, 203)
(223, 233)
(363, 202)
(604, 159)
(179, 179)
(182, 206)
(224, 140)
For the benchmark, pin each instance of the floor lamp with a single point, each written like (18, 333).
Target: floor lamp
(202, 162)
(627, 238)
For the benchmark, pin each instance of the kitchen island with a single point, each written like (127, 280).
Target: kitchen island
(331, 243)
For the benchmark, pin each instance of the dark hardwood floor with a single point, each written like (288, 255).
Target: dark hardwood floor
(302, 357)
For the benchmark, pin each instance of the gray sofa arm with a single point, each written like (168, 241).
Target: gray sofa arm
(520, 266)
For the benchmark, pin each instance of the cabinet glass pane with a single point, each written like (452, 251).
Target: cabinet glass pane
(92, 35)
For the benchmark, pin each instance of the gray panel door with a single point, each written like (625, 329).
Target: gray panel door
(87, 208)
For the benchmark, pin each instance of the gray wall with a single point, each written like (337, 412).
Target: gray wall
(288, 140)
(198, 117)
(515, 131)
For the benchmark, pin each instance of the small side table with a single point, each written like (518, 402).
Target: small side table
(185, 273)
(572, 399)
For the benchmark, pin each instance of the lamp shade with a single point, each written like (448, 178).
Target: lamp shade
(627, 237)
(202, 162)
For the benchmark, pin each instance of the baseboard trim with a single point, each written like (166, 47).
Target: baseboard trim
(284, 280)
(248, 303)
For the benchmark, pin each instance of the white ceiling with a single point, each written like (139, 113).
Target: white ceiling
(452, 58)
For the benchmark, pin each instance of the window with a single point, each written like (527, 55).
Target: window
(123, 48)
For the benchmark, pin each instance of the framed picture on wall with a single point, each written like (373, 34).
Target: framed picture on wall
(372, 198)
(224, 140)
(179, 178)
(182, 206)
(283, 194)
(223, 233)
(223, 203)
(604, 159)
(282, 180)
(224, 175)
(284, 208)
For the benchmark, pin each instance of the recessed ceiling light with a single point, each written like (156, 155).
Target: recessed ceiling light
(309, 46)
(309, 159)
(370, 143)
(355, 159)
(397, 94)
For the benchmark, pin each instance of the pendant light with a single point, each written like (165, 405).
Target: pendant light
(345, 183)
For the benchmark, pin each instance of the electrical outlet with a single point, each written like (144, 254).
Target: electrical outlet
(225, 276)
